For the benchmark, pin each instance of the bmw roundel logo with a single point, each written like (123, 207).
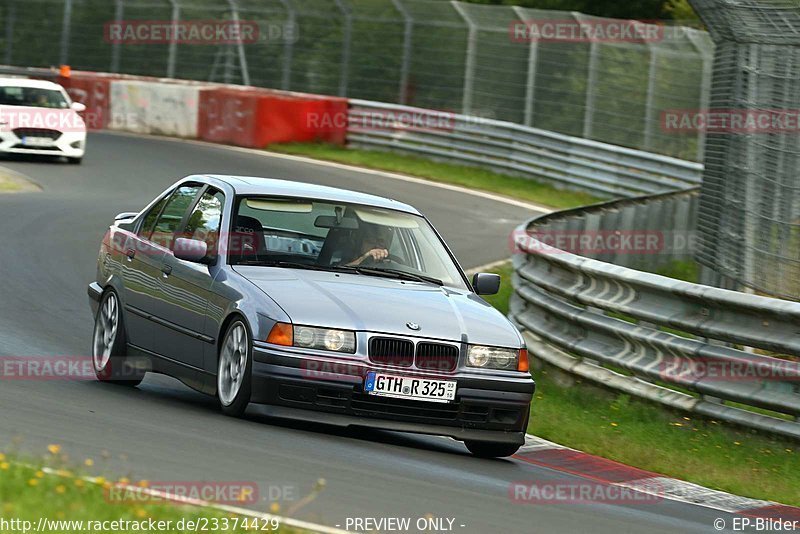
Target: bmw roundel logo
(412, 326)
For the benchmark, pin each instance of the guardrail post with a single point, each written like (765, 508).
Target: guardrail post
(119, 12)
(66, 27)
(173, 44)
(10, 22)
(530, 84)
(469, 69)
(405, 66)
(347, 37)
(239, 44)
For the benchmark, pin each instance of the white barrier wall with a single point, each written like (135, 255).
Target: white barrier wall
(154, 108)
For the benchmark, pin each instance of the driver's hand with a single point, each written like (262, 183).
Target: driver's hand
(376, 254)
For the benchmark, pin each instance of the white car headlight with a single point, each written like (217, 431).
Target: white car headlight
(324, 339)
(492, 358)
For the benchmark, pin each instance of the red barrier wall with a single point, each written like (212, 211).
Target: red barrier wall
(256, 118)
(94, 91)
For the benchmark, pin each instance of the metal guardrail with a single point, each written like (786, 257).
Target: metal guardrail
(685, 345)
(571, 162)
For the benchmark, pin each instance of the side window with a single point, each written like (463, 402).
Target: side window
(170, 220)
(150, 219)
(203, 224)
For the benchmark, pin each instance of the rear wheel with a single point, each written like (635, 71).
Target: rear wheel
(234, 372)
(483, 449)
(109, 345)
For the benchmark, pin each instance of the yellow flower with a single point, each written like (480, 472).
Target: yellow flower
(88, 462)
(40, 474)
(79, 482)
(274, 508)
(124, 480)
(53, 448)
(143, 484)
(2, 457)
(100, 480)
(60, 488)
(33, 482)
(614, 424)
(141, 513)
(4, 466)
(736, 443)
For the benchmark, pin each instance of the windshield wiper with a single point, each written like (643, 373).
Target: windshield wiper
(397, 273)
(286, 264)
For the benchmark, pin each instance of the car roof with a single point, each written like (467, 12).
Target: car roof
(27, 82)
(250, 185)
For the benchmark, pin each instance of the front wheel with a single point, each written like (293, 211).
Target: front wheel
(483, 449)
(110, 347)
(75, 161)
(234, 372)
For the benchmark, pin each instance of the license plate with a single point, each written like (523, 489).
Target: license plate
(37, 141)
(407, 387)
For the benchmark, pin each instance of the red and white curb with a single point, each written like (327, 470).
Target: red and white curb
(543, 453)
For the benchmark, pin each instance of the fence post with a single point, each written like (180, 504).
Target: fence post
(405, 66)
(347, 37)
(288, 45)
(705, 87)
(591, 81)
(173, 44)
(649, 106)
(66, 27)
(530, 84)
(119, 12)
(12, 19)
(469, 69)
(239, 44)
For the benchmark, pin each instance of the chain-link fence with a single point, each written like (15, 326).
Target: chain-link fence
(434, 54)
(749, 218)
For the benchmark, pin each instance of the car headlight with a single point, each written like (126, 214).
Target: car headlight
(309, 337)
(496, 358)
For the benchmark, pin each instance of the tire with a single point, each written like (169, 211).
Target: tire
(235, 369)
(75, 161)
(110, 345)
(483, 449)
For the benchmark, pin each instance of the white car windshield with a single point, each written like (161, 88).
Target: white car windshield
(32, 97)
(339, 236)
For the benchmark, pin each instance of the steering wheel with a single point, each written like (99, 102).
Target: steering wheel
(390, 258)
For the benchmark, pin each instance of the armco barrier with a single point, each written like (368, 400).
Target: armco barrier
(154, 108)
(572, 162)
(632, 330)
(257, 118)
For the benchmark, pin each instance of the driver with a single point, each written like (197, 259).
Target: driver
(375, 242)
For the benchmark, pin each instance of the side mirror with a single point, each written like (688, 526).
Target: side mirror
(190, 250)
(486, 283)
(78, 107)
(126, 215)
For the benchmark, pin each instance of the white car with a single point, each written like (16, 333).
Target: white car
(38, 117)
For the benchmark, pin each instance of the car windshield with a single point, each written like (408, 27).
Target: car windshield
(340, 237)
(32, 97)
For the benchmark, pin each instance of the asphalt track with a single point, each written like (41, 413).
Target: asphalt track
(162, 431)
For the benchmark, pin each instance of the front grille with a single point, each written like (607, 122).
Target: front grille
(37, 132)
(391, 351)
(436, 356)
(24, 147)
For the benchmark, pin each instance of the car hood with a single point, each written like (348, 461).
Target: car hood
(375, 304)
(62, 120)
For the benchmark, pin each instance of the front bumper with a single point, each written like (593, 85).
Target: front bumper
(486, 409)
(69, 144)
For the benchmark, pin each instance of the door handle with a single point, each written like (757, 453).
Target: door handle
(166, 269)
(131, 253)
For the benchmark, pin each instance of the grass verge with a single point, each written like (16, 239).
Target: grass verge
(67, 502)
(13, 183)
(637, 433)
(472, 177)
